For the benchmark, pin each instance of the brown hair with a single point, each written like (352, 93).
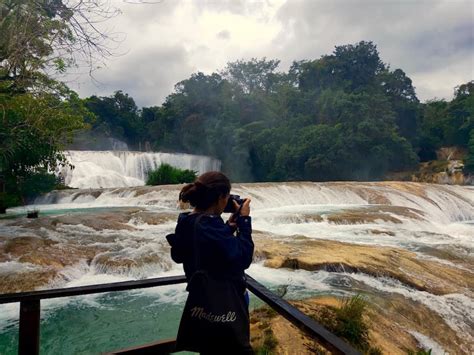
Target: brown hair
(206, 190)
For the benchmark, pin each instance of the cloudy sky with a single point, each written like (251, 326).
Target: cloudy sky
(165, 41)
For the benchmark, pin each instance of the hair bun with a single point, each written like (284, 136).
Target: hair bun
(200, 186)
(188, 192)
(206, 190)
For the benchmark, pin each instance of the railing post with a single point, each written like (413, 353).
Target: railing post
(29, 337)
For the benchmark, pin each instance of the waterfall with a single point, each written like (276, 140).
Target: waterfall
(441, 203)
(102, 235)
(102, 169)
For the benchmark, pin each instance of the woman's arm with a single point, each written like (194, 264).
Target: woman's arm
(237, 251)
(177, 241)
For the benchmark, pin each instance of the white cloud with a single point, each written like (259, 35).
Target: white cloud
(432, 41)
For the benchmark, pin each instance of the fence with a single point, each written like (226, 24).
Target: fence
(30, 309)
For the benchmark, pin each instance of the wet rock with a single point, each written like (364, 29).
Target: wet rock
(372, 196)
(19, 246)
(462, 258)
(382, 232)
(390, 319)
(373, 214)
(86, 193)
(310, 254)
(447, 170)
(153, 218)
(26, 281)
(113, 220)
(47, 257)
(120, 263)
(46, 252)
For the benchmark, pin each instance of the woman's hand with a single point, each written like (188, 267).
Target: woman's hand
(244, 211)
(232, 221)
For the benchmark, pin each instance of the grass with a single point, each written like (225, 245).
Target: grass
(269, 343)
(348, 322)
(265, 341)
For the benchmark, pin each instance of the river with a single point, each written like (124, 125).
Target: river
(94, 236)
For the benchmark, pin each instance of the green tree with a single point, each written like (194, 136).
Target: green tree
(49, 34)
(350, 67)
(470, 157)
(461, 115)
(117, 116)
(434, 120)
(39, 114)
(445, 123)
(346, 115)
(253, 75)
(33, 132)
(399, 90)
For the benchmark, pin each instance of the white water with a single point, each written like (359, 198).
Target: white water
(445, 212)
(440, 203)
(101, 169)
(445, 216)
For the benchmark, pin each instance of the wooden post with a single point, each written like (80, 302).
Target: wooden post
(29, 337)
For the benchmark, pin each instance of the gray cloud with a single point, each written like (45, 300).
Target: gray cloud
(148, 76)
(432, 41)
(418, 37)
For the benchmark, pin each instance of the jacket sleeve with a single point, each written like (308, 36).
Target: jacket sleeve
(236, 250)
(175, 242)
(178, 242)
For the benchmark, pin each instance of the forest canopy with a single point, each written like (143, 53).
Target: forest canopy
(344, 116)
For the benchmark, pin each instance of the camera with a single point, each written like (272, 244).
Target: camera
(230, 207)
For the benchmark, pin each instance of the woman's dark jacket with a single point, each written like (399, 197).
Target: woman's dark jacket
(220, 252)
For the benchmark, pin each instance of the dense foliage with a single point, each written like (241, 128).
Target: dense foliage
(33, 132)
(344, 116)
(167, 174)
(449, 123)
(39, 115)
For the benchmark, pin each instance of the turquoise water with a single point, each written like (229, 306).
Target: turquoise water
(96, 324)
(21, 212)
(102, 323)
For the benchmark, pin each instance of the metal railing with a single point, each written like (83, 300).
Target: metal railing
(30, 309)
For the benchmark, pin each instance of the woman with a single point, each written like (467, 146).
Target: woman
(215, 318)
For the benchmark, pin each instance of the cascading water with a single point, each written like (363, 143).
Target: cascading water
(102, 169)
(118, 234)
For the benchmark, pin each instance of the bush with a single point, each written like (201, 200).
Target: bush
(36, 184)
(24, 189)
(8, 200)
(167, 174)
